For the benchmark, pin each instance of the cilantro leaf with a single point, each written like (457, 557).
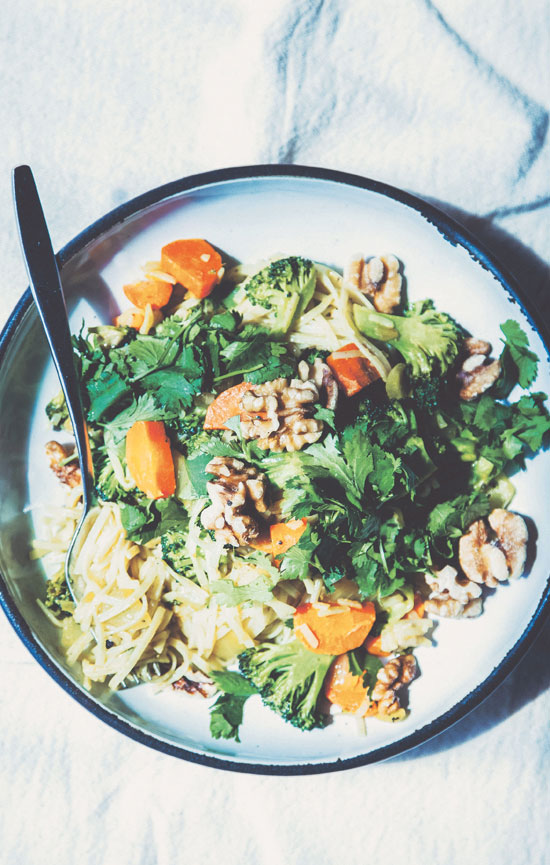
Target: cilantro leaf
(233, 683)
(296, 562)
(142, 408)
(104, 390)
(227, 594)
(226, 715)
(516, 348)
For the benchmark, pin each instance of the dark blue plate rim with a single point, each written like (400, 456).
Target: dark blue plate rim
(454, 234)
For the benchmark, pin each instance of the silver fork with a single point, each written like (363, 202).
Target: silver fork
(45, 285)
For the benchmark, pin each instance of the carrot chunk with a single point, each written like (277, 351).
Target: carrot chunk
(346, 690)
(226, 405)
(130, 318)
(332, 629)
(150, 460)
(194, 263)
(285, 535)
(352, 369)
(373, 645)
(150, 291)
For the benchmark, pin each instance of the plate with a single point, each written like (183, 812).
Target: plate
(250, 213)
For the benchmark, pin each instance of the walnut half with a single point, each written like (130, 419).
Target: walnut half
(377, 277)
(495, 552)
(68, 473)
(453, 596)
(237, 497)
(477, 373)
(280, 414)
(393, 676)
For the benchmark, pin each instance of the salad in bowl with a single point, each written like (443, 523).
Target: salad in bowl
(298, 474)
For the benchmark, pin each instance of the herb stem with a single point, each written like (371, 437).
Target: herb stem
(237, 372)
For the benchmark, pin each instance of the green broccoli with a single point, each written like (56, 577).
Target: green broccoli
(186, 429)
(276, 295)
(174, 552)
(57, 412)
(107, 485)
(289, 678)
(58, 597)
(427, 340)
(426, 392)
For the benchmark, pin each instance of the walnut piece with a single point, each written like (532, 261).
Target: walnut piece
(476, 374)
(395, 674)
(321, 375)
(280, 414)
(237, 497)
(490, 552)
(68, 473)
(512, 535)
(492, 560)
(378, 278)
(451, 595)
(451, 609)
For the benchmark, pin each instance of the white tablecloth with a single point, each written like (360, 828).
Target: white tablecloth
(447, 98)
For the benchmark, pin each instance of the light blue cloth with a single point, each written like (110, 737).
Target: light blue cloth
(448, 99)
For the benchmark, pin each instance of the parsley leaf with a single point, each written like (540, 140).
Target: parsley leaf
(516, 349)
(226, 715)
(104, 390)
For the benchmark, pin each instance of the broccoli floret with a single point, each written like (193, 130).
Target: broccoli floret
(57, 412)
(276, 295)
(58, 597)
(185, 431)
(426, 391)
(427, 340)
(289, 678)
(174, 552)
(107, 486)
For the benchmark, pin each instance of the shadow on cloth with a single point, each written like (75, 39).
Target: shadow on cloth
(532, 675)
(531, 272)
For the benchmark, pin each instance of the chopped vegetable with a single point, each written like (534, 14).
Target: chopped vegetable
(150, 292)
(290, 680)
(425, 338)
(277, 294)
(333, 629)
(352, 369)
(194, 264)
(226, 405)
(346, 689)
(285, 535)
(149, 459)
(131, 317)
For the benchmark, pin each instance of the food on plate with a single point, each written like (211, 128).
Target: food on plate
(298, 474)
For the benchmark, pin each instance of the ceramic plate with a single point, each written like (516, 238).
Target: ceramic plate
(250, 213)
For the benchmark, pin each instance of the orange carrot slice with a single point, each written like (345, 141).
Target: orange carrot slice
(130, 318)
(150, 460)
(373, 645)
(285, 535)
(332, 629)
(194, 263)
(226, 405)
(346, 690)
(150, 291)
(352, 369)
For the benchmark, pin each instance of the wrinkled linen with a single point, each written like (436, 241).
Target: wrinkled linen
(447, 99)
